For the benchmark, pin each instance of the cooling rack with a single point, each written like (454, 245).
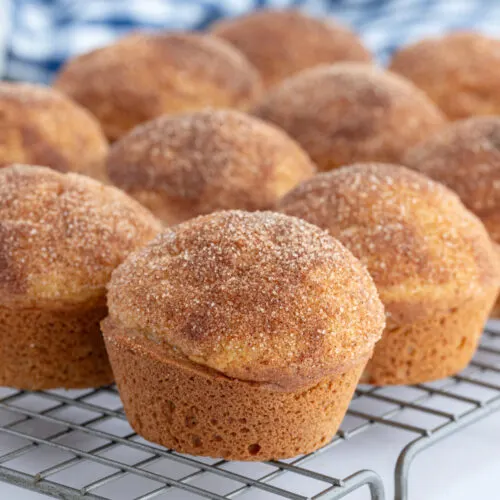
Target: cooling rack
(78, 444)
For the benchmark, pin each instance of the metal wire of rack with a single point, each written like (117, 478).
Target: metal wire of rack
(77, 444)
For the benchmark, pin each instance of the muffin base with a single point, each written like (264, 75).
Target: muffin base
(495, 312)
(433, 348)
(47, 349)
(192, 409)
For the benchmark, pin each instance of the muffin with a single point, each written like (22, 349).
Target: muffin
(351, 112)
(460, 72)
(181, 166)
(465, 156)
(143, 76)
(61, 235)
(282, 43)
(240, 335)
(41, 126)
(432, 261)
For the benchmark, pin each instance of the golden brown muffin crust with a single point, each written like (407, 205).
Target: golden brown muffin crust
(460, 72)
(182, 405)
(47, 349)
(196, 163)
(432, 347)
(256, 296)
(145, 75)
(425, 251)
(465, 156)
(61, 235)
(281, 43)
(41, 126)
(350, 112)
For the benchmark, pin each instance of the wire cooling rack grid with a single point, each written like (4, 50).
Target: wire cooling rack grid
(78, 444)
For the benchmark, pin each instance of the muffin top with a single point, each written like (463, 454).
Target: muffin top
(41, 126)
(61, 235)
(257, 296)
(460, 72)
(424, 250)
(465, 156)
(280, 43)
(350, 112)
(195, 163)
(145, 75)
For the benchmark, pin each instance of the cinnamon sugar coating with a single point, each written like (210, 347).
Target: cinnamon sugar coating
(42, 126)
(146, 75)
(61, 235)
(465, 156)
(261, 297)
(184, 165)
(281, 43)
(460, 72)
(350, 112)
(425, 251)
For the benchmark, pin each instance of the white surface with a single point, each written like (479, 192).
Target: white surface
(465, 466)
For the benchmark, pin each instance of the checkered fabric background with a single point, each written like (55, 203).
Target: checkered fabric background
(43, 33)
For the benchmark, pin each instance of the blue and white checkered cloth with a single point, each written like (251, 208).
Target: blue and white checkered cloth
(44, 33)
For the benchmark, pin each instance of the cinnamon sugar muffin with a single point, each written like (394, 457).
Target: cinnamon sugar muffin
(460, 72)
(351, 112)
(465, 156)
(39, 125)
(432, 261)
(180, 166)
(280, 43)
(61, 235)
(240, 335)
(146, 75)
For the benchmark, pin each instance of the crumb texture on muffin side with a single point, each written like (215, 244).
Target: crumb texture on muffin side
(192, 409)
